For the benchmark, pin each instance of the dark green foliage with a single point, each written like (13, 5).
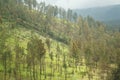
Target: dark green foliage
(36, 48)
(69, 14)
(5, 50)
(116, 74)
(75, 16)
(36, 52)
(48, 43)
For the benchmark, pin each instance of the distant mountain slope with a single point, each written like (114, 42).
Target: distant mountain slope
(107, 14)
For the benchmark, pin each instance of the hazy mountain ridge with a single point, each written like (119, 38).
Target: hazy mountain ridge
(107, 14)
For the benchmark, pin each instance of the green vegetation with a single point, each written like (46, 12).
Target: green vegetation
(44, 42)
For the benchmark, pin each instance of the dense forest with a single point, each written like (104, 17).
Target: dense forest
(39, 41)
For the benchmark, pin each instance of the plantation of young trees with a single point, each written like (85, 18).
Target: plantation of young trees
(45, 42)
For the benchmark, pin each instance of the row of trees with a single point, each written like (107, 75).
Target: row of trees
(89, 41)
(13, 60)
(92, 47)
(98, 47)
(49, 10)
(16, 64)
(39, 16)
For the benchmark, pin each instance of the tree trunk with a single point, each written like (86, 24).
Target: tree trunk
(51, 71)
(5, 67)
(45, 71)
(40, 70)
(34, 71)
(31, 73)
(65, 73)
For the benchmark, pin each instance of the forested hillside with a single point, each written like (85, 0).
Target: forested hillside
(39, 41)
